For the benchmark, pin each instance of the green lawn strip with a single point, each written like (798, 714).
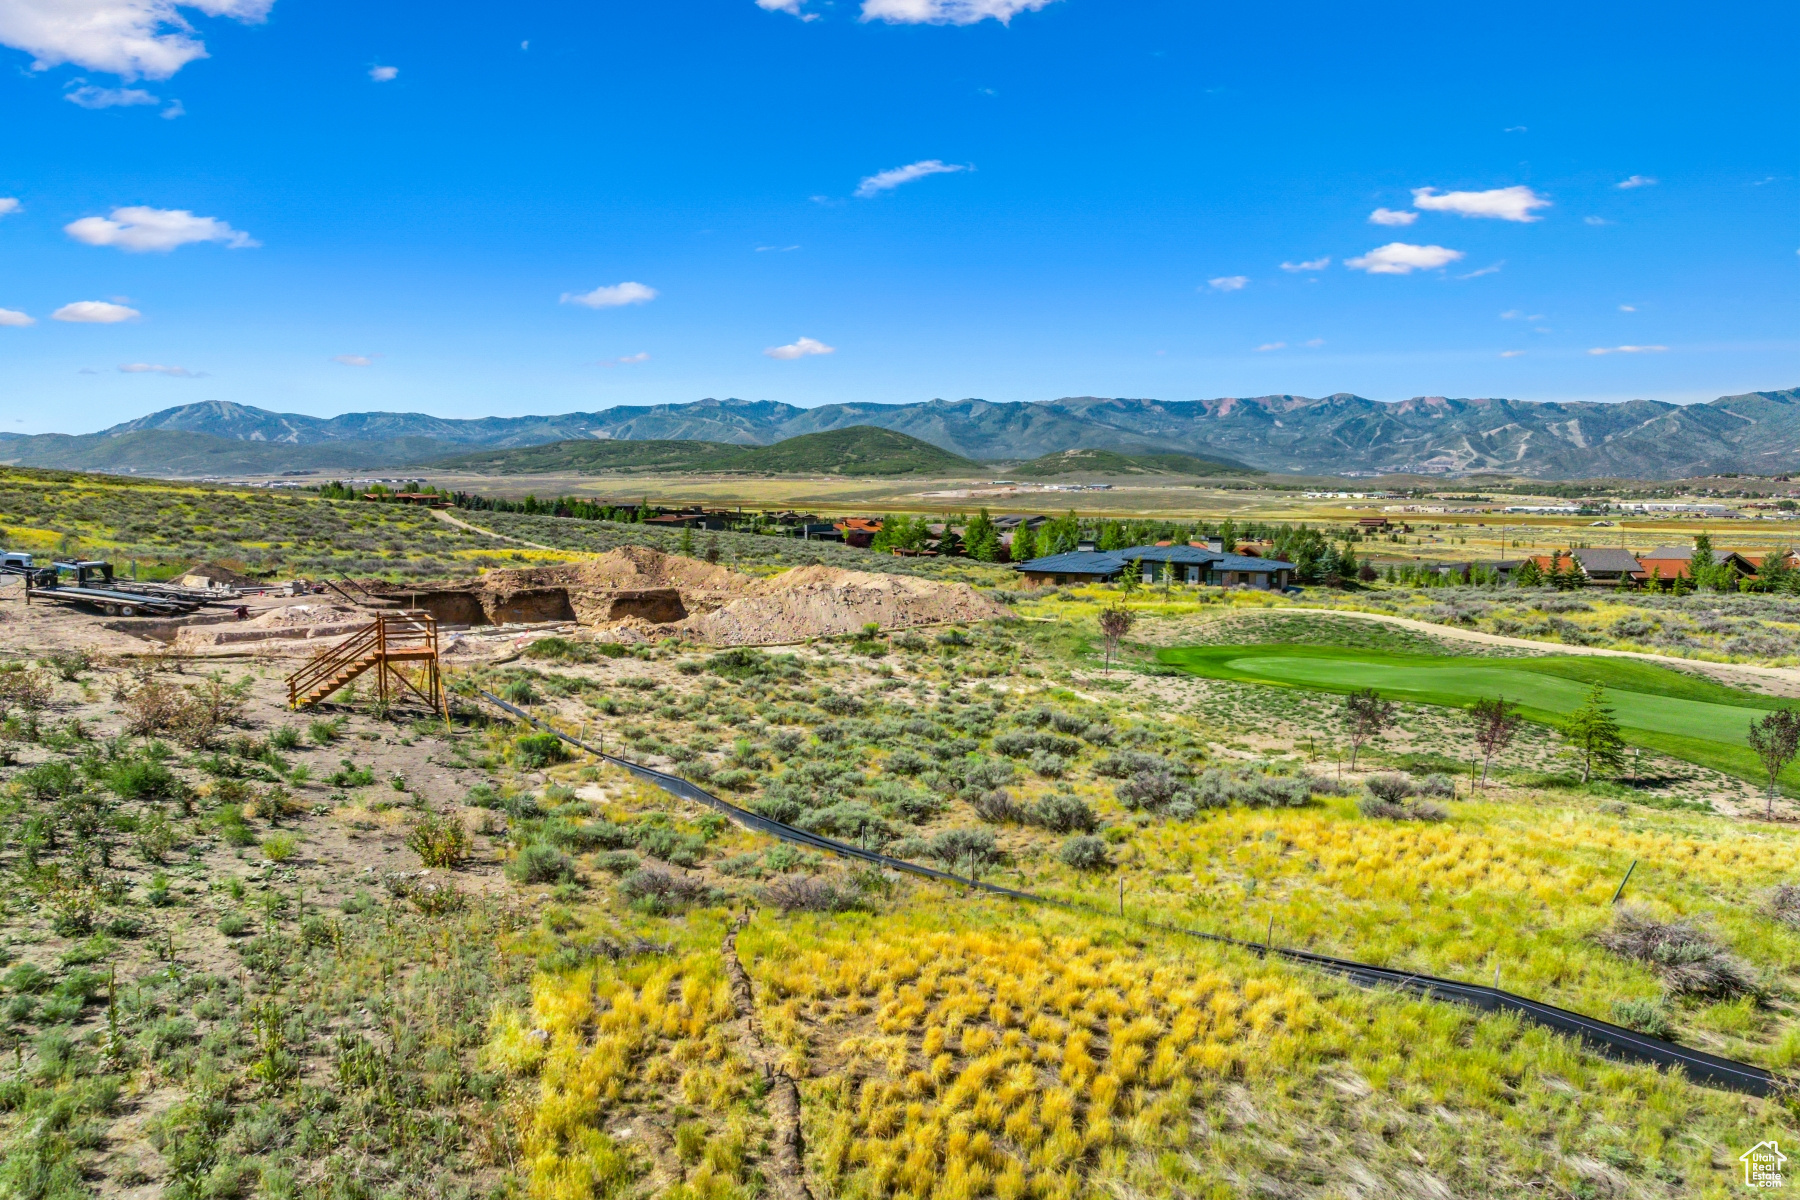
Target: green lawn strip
(1667, 711)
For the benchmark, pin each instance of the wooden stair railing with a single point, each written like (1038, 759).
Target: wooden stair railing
(391, 638)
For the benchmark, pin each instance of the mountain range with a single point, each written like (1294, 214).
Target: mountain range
(1757, 432)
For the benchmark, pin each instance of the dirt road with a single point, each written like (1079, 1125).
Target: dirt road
(441, 515)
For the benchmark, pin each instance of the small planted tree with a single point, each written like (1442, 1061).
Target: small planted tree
(1776, 740)
(1595, 734)
(1495, 721)
(1133, 576)
(1366, 715)
(1528, 575)
(1115, 623)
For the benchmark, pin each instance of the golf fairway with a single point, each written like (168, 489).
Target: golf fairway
(1657, 708)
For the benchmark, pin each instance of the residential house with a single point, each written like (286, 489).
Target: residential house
(859, 531)
(1191, 564)
(1671, 562)
(1609, 565)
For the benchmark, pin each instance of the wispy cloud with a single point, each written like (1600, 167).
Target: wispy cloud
(160, 369)
(1402, 258)
(9, 205)
(800, 348)
(775, 249)
(1595, 221)
(176, 109)
(384, 74)
(1315, 343)
(1489, 270)
(127, 38)
(138, 229)
(628, 361)
(1518, 314)
(1515, 129)
(14, 318)
(354, 360)
(946, 12)
(1503, 204)
(1627, 308)
(1229, 283)
(89, 96)
(887, 181)
(1271, 346)
(1628, 350)
(1636, 181)
(616, 296)
(95, 312)
(1511, 353)
(1392, 216)
(1311, 264)
(791, 7)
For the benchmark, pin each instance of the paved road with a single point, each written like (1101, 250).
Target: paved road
(1780, 680)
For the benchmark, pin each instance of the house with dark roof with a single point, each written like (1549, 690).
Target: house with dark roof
(1609, 564)
(1189, 564)
(1672, 562)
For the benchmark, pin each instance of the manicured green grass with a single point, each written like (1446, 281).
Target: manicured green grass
(1660, 709)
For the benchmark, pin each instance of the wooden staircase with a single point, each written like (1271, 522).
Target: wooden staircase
(408, 637)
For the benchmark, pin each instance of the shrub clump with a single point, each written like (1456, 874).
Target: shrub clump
(812, 893)
(1689, 960)
(534, 751)
(1394, 797)
(661, 891)
(539, 863)
(1784, 904)
(1084, 852)
(439, 841)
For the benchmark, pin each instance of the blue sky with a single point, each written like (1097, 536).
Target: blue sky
(321, 207)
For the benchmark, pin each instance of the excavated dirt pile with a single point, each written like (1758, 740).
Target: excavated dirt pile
(291, 622)
(820, 601)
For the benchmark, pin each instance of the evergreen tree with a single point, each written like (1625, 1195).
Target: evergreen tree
(1024, 543)
(982, 539)
(1133, 576)
(686, 545)
(1112, 536)
(1700, 566)
(1595, 734)
(1528, 575)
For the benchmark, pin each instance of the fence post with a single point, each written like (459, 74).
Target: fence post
(1121, 895)
(1624, 881)
(1269, 938)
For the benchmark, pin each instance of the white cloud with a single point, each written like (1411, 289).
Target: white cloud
(1229, 283)
(946, 12)
(791, 7)
(1636, 181)
(1271, 346)
(1401, 258)
(1627, 308)
(1311, 264)
(800, 348)
(1315, 343)
(887, 181)
(128, 38)
(1595, 221)
(1492, 270)
(175, 109)
(159, 369)
(776, 249)
(629, 360)
(1505, 204)
(1389, 216)
(384, 74)
(139, 229)
(1628, 350)
(1518, 314)
(1511, 353)
(90, 96)
(1515, 129)
(95, 312)
(9, 205)
(353, 360)
(13, 317)
(616, 296)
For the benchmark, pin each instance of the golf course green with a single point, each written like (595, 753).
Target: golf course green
(1683, 715)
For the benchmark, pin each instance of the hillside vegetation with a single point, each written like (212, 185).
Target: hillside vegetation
(1112, 462)
(859, 451)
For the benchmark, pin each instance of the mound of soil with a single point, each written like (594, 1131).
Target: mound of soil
(290, 622)
(820, 601)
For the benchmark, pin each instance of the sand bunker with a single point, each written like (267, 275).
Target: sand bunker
(821, 601)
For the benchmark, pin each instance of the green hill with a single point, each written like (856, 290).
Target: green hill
(1114, 462)
(859, 450)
